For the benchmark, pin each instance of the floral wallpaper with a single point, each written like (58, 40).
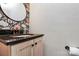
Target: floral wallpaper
(8, 24)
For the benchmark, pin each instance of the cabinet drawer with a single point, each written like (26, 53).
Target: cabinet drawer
(37, 39)
(23, 44)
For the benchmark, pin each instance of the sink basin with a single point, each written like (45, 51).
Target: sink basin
(21, 36)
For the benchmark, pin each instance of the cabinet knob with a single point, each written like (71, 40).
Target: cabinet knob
(32, 45)
(36, 43)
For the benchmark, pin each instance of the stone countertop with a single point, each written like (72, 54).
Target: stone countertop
(9, 40)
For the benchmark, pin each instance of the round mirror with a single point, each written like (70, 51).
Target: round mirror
(16, 12)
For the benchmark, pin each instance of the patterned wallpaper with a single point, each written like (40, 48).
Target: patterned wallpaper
(8, 24)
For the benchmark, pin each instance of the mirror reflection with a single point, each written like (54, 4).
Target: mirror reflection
(15, 11)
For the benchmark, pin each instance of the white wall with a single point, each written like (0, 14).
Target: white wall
(59, 23)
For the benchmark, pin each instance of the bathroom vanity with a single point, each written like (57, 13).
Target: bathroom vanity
(16, 17)
(19, 45)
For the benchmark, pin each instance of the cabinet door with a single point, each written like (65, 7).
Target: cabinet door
(26, 51)
(4, 50)
(38, 47)
(22, 49)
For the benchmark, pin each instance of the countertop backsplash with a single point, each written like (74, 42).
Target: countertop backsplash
(8, 24)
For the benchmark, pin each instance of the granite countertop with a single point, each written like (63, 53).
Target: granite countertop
(10, 40)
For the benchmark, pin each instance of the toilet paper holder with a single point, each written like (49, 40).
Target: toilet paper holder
(67, 47)
(72, 51)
